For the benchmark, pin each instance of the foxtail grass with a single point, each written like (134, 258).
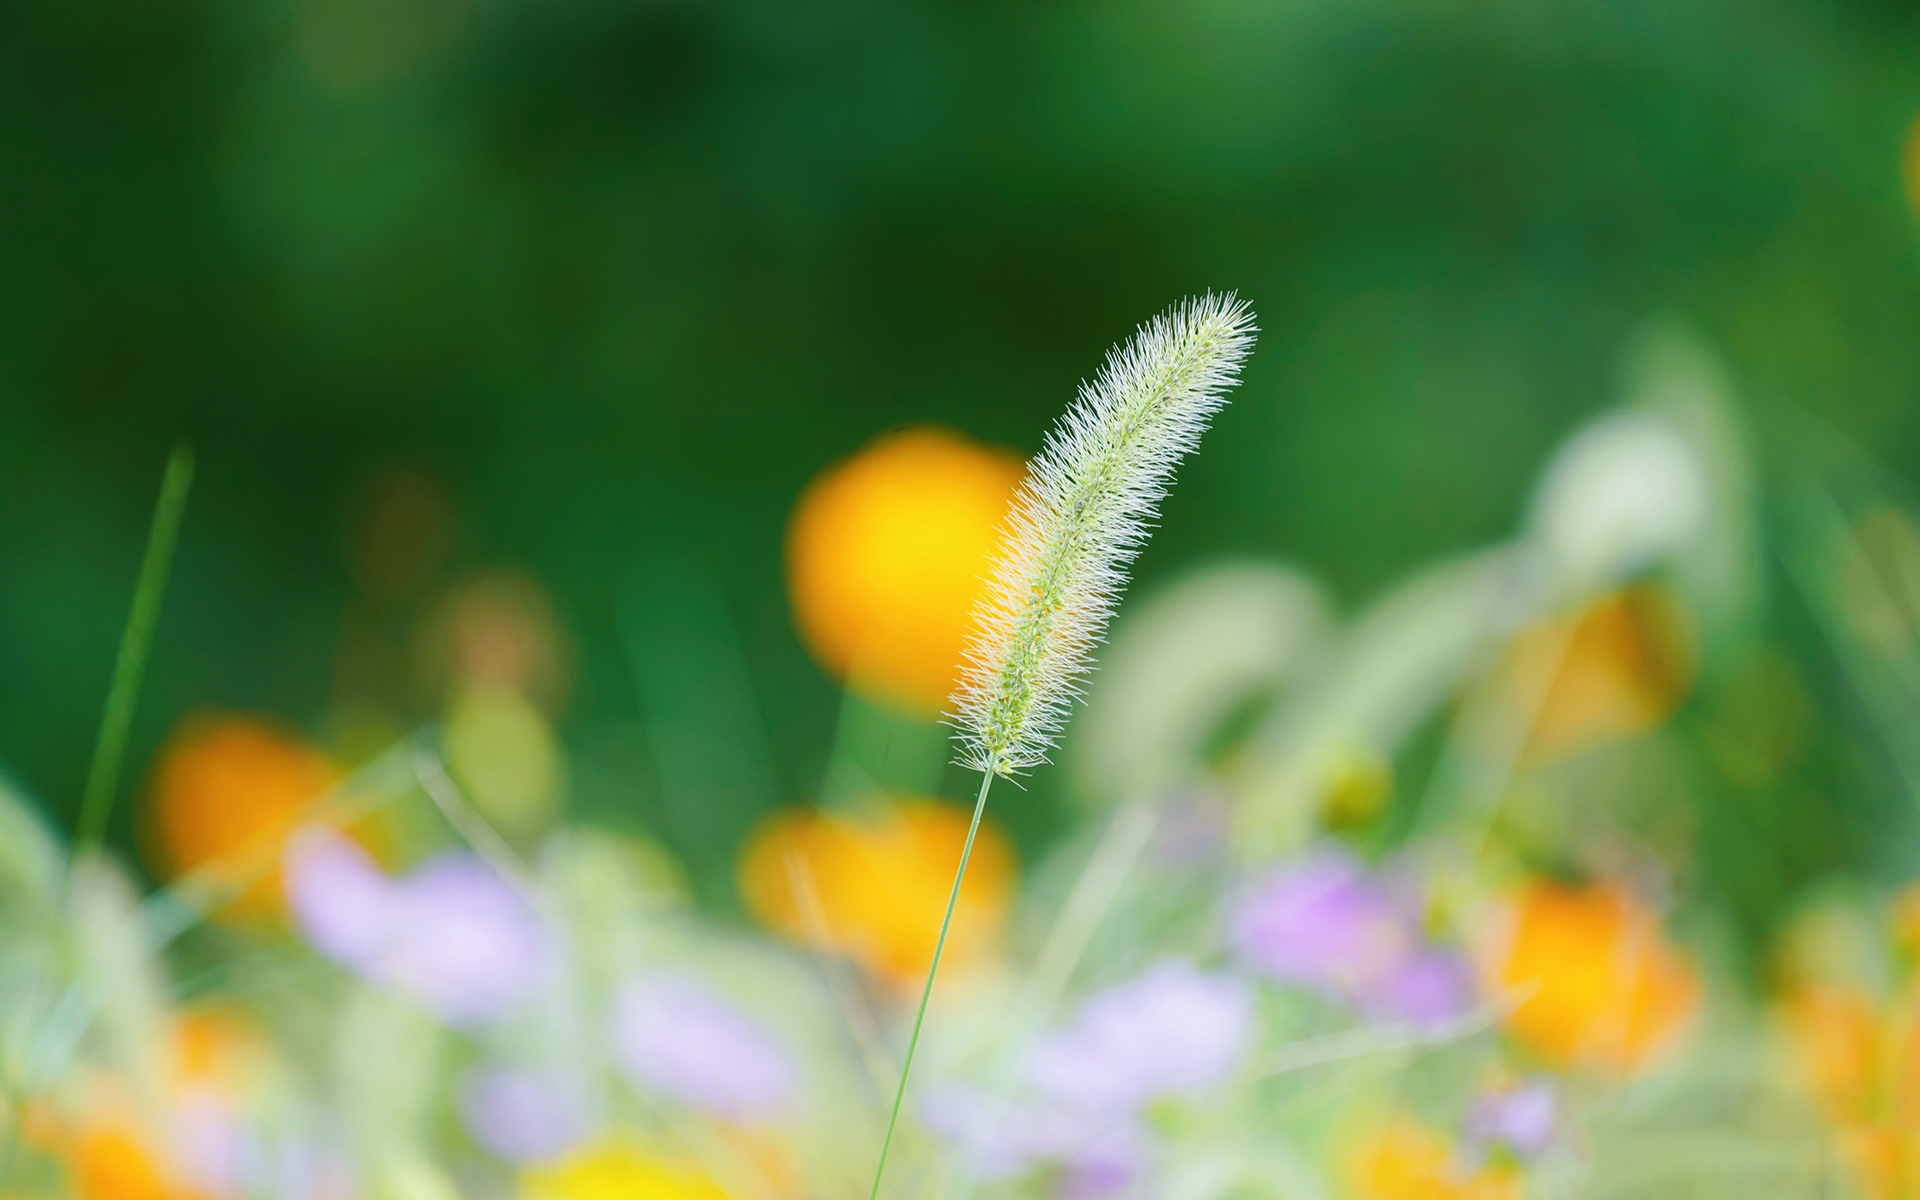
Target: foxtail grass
(1078, 521)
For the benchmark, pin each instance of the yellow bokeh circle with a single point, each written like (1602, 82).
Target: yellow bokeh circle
(1604, 989)
(886, 552)
(874, 886)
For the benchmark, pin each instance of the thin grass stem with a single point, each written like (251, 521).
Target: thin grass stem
(103, 777)
(1092, 895)
(926, 992)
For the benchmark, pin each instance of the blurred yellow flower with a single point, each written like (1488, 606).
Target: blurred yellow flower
(1903, 919)
(874, 887)
(1604, 988)
(614, 1172)
(1407, 1161)
(110, 1164)
(228, 787)
(1884, 1160)
(217, 1048)
(1860, 1062)
(110, 1151)
(886, 553)
(1840, 1045)
(1618, 667)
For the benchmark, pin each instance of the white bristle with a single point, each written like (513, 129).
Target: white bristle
(1077, 522)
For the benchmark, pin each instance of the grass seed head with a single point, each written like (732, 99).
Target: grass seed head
(1082, 514)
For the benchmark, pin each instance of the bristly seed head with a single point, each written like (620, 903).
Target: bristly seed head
(1078, 521)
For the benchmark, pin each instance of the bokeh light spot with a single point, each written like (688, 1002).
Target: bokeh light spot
(886, 553)
(875, 887)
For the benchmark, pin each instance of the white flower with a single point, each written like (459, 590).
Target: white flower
(1624, 492)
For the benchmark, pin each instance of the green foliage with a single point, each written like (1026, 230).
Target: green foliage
(617, 272)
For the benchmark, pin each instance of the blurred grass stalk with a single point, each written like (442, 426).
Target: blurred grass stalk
(103, 776)
(704, 734)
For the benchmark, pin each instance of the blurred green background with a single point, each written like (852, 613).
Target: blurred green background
(602, 283)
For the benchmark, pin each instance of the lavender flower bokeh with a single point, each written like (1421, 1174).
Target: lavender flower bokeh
(1325, 924)
(1523, 1119)
(524, 1115)
(1171, 1031)
(211, 1143)
(671, 1034)
(222, 1152)
(999, 1138)
(452, 937)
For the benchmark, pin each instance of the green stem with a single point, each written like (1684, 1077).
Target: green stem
(104, 775)
(926, 992)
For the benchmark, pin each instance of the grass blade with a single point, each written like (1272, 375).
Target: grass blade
(103, 777)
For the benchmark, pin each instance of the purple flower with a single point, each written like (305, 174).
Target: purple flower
(1426, 985)
(1193, 830)
(522, 1115)
(223, 1154)
(1100, 1152)
(1321, 924)
(339, 896)
(304, 1167)
(209, 1141)
(998, 1140)
(453, 937)
(1524, 1119)
(1170, 1031)
(469, 944)
(671, 1034)
(1109, 1165)
(1326, 925)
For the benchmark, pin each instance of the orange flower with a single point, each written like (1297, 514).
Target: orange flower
(227, 790)
(216, 1048)
(1884, 1160)
(110, 1151)
(1861, 1062)
(1619, 667)
(109, 1164)
(1605, 990)
(885, 557)
(1408, 1161)
(875, 889)
(1838, 1040)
